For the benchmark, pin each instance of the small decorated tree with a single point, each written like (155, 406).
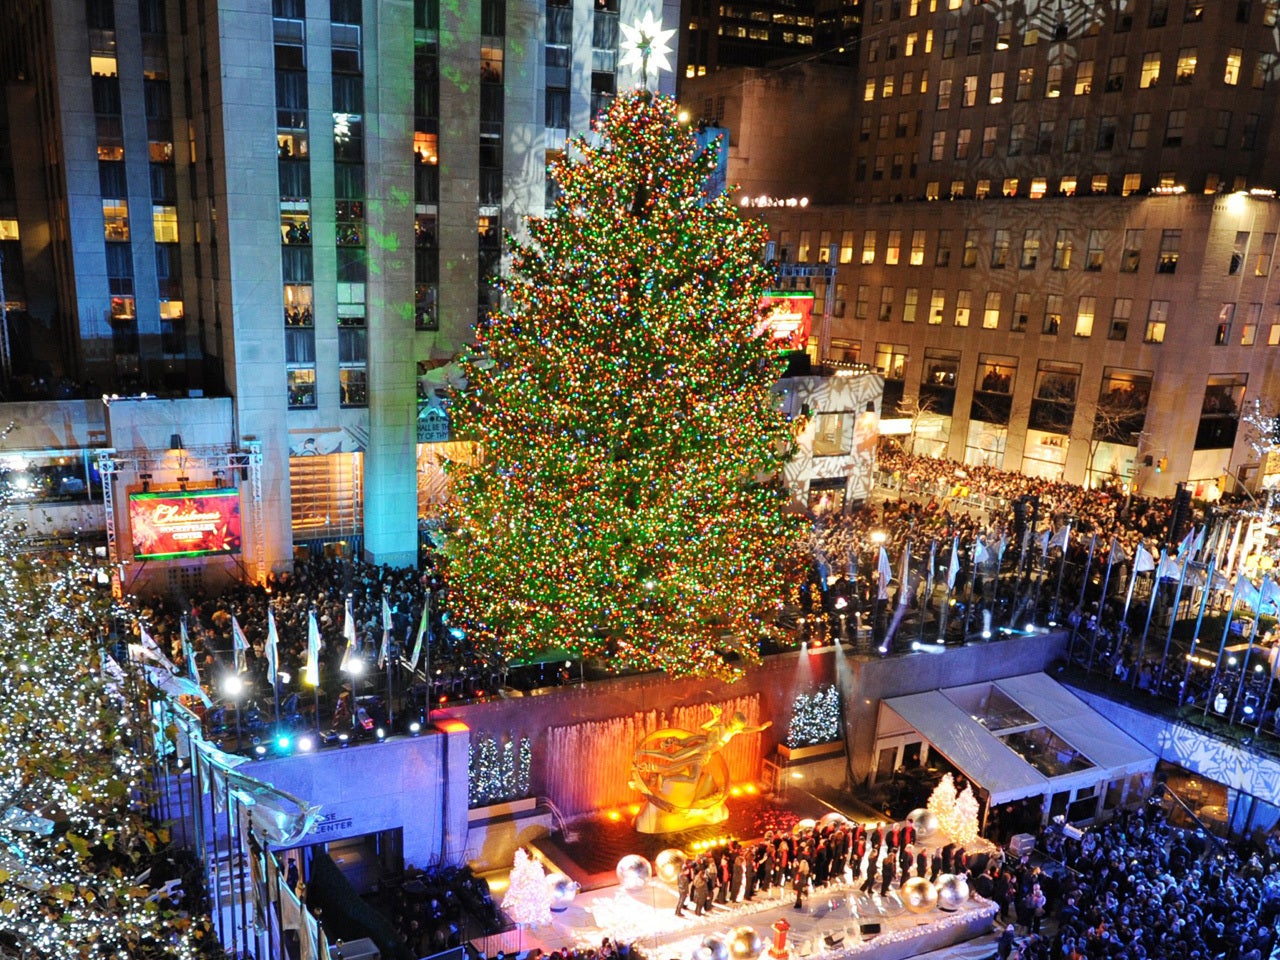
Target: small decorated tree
(942, 804)
(966, 825)
(528, 899)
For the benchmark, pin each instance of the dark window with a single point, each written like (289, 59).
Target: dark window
(344, 11)
(348, 94)
(352, 265)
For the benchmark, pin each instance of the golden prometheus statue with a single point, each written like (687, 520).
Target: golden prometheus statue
(683, 776)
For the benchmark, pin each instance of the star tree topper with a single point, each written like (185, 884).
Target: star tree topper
(644, 41)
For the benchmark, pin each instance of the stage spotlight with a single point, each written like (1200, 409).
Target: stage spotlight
(355, 666)
(259, 752)
(282, 744)
(381, 734)
(344, 740)
(915, 645)
(306, 744)
(1031, 628)
(415, 728)
(884, 648)
(232, 685)
(986, 634)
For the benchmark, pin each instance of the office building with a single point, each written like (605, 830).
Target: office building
(296, 204)
(1057, 232)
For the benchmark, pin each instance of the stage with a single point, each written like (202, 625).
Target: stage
(831, 924)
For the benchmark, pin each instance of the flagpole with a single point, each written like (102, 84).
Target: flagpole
(1151, 606)
(973, 582)
(1084, 583)
(1271, 676)
(1226, 630)
(1195, 637)
(1173, 616)
(1102, 606)
(946, 601)
(928, 588)
(1062, 566)
(275, 667)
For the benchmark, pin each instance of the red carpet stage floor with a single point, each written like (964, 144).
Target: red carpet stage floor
(836, 922)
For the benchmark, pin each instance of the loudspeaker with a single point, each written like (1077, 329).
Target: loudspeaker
(833, 939)
(869, 929)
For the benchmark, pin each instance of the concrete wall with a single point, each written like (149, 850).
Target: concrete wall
(416, 783)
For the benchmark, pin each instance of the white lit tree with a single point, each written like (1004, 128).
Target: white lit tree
(528, 898)
(74, 835)
(942, 803)
(966, 819)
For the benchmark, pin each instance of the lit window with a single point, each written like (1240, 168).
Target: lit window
(1186, 65)
(1084, 78)
(302, 387)
(1084, 316)
(869, 246)
(8, 228)
(165, 222)
(937, 306)
(115, 217)
(917, 247)
(1157, 320)
(894, 248)
(1231, 76)
(1150, 70)
(991, 311)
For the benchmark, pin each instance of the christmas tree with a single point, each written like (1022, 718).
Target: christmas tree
(528, 899)
(73, 834)
(966, 819)
(626, 503)
(942, 804)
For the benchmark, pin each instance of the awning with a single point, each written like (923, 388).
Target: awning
(972, 748)
(1080, 725)
(1035, 708)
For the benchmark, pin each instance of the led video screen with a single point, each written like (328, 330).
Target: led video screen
(184, 523)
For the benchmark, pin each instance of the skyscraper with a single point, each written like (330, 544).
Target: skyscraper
(299, 204)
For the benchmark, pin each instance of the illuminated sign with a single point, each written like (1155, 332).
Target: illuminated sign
(185, 523)
(786, 318)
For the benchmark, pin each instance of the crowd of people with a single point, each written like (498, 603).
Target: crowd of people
(450, 667)
(934, 502)
(1133, 888)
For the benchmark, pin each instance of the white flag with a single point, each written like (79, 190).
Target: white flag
(423, 624)
(151, 650)
(273, 651)
(385, 650)
(241, 644)
(1168, 568)
(905, 577)
(1043, 540)
(953, 568)
(1187, 547)
(981, 553)
(1143, 560)
(886, 574)
(349, 632)
(1117, 553)
(193, 669)
(1060, 538)
(312, 671)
